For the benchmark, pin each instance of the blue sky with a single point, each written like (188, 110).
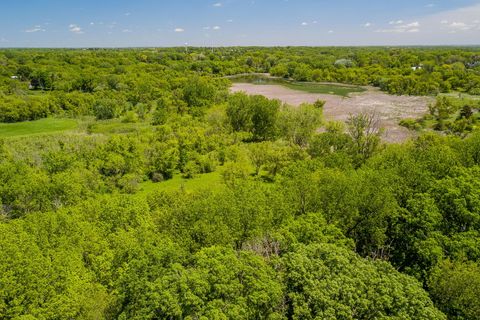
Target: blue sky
(121, 23)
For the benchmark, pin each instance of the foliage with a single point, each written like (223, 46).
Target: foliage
(254, 114)
(174, 199)
(455, 286)
(331, 283)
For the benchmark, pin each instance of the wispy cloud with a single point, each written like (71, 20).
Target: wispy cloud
(459, 25)
(462, 20)
(400, 27)
(218, 5)
(75, 29)
(367, 25)
(216, 28)
(394, 22)
(35, 29)
(179, 30)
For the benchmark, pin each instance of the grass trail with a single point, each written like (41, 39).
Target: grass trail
(42, 126)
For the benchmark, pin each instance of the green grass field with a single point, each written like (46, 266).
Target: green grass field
(208, 181)
(42, 126)
(115, 126)
(310, 87)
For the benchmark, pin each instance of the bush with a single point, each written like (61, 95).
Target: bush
(105, 109)
(157, 177)
(190, 170)
(411, 124)
(130, 117)
(129, 183)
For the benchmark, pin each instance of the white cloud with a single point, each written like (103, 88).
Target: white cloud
(75, 29)
(35, 29)
(412, 27)
(330, 31)
(304, 23)
(454, 27)
(127, 14)
(459, 21)
(367, 25)
(126, 30)
(179, 30)
(393, 22)
(430, 5)
(464, 20)
(218, 5)
(216, 28)
(92, 23)
(462, 26)
(230, 20)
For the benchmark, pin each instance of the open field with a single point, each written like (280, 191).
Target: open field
(48, 125)
(390, 109)
(210, 181)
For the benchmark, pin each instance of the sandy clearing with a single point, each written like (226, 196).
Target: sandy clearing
(390, 109)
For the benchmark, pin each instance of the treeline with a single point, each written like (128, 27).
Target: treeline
(78, 83)
(36, 83)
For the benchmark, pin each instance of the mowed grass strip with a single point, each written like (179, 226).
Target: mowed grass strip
(42, 126)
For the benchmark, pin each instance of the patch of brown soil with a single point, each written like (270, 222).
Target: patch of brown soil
(390, 109)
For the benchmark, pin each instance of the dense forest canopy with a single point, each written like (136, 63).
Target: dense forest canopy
(37, 83)
(176, 199)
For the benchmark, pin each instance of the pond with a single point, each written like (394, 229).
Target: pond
(311, 87)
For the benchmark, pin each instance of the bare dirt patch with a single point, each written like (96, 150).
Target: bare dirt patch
(390, 109)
